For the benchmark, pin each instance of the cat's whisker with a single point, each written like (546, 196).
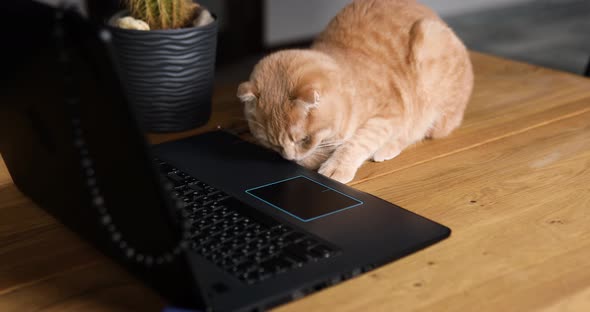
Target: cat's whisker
(320, 153)
(330, 144)
(333, 141)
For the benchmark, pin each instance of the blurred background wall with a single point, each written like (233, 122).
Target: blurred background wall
(288, 20)
(551, 33)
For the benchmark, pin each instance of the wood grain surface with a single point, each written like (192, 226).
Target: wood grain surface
(4, 175)
(520, 213)
(513, 183)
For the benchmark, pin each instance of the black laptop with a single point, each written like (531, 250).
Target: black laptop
(211, 222)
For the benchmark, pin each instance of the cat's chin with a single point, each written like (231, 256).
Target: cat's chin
(309, 164)
(313, 161)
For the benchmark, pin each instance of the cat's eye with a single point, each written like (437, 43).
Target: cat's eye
(306, 140)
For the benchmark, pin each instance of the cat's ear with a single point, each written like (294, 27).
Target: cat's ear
(246, 92)
(308, 96)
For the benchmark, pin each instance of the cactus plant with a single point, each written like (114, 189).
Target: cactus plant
(163, 14)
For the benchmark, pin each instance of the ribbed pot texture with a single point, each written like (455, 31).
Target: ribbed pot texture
(168, 74)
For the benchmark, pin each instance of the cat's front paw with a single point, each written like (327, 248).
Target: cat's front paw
(338, 171)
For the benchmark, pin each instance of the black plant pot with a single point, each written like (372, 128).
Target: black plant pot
(168, 74)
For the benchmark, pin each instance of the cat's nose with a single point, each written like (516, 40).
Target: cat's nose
(288, 155)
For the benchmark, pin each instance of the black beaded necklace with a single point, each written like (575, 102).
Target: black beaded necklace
(89, 173)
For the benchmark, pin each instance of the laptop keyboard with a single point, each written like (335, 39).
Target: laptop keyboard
(242, 241)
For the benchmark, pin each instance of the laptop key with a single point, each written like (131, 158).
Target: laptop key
(184, 191)
(279, 230)
(294, 237)
(323, 250)
(195, 187)
(317, 254)
(276, 264)
(166, 168)
(309, 243)
(245, 266)
(175, 177)
(296, 261)
(250, 277)
(297, 251)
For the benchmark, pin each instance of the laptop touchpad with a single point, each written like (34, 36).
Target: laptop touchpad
(304, 198)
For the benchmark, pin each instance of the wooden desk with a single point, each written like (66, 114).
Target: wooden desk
(513, 183)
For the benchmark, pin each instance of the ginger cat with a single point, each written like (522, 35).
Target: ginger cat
(383, 75)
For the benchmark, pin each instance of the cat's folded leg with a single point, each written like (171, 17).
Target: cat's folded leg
(346, 160)
(445, 125)
(389, 150)
(446, 75)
